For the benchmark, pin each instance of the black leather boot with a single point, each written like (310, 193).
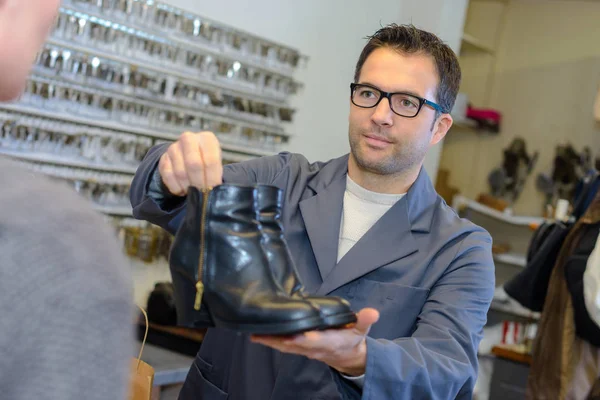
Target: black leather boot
(335, 311)
(217, 262)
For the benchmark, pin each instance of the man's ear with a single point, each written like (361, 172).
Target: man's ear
(440, 128)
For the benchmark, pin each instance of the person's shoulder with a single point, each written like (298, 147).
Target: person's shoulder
(45, 221)
(462, 241)
(457, 227)
(301, 162)
(31, 194)
(293, 159)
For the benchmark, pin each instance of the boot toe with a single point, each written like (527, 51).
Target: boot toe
(282, 309)
(335, 311)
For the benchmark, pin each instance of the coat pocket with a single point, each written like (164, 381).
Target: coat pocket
(399, 306)
(198, 387)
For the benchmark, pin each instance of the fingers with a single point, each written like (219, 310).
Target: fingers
(191, 156)
(179, 167)
(202, 159)
(342, 349)
(210, 150)
(167, 174)
(193, 160)
(365, 318)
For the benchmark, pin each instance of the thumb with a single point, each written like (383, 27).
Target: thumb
(365, 318)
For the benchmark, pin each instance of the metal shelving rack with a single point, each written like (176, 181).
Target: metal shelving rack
(119, 76)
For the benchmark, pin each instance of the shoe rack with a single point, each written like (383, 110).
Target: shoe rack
(116, 77)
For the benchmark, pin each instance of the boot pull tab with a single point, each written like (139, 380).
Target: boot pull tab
(199, 293)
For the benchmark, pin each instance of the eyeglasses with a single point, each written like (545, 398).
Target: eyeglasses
(403, 104)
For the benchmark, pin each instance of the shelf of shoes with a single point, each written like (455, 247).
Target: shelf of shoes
(192, 32)
(161, 54)
(462, 203)
(41, 136)
(117, 77)
(62, 63)
(78, 103)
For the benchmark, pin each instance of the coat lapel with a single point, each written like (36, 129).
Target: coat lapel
(390, 239)
(322, 214)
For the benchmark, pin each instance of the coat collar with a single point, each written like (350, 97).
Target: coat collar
(390, 239)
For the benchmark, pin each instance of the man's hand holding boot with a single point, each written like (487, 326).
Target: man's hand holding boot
(193, 160)
(342, 349)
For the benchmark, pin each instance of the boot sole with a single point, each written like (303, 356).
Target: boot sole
(338, 320)
(203, 320)
(279, 328)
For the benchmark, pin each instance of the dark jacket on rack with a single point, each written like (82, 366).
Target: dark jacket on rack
(559, 350)
(529, 287)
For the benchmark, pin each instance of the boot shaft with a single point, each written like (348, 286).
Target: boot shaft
(231, 205)
(221, 237)
(226, 210)
(269, 202)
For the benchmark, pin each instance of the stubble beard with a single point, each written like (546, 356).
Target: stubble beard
(399, 160)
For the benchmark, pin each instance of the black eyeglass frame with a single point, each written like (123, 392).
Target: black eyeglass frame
(388, 95)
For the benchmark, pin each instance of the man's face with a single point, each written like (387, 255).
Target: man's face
(24, 25)
(381, 141)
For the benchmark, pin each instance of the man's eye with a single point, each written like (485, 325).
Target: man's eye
(406, 103)
(367, 94)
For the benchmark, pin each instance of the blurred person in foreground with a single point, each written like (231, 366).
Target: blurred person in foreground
(66, 330)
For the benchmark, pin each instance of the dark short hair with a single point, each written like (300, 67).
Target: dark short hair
(410, 40)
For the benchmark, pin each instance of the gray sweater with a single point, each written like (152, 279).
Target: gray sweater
(66, 328)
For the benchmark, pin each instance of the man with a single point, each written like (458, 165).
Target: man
(66, 330)
(367, 226)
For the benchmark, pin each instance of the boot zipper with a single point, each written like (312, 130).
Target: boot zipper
(199, 284)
